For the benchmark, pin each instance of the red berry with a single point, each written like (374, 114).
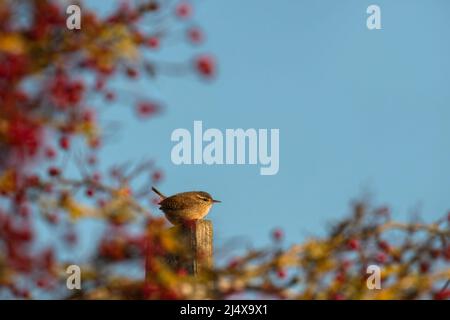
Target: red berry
(99, 84)
(447, 253)
(43, 283)
(277, 234)
(95, 143)
(90, 192)
(353, 244)
(346, 264)
(64, 143)
(146, 109)
(157, 176)
(182, 272)
(281, 273)
(92, 160)
(340, 277)
(71, 238)
(442, 295)
(183, 10)
(383, 211)
(338, 296)
(33, 181)
(110, 96)
(50, 153)
(96, 177)
(155, 201)
(132, 73)
(424, 267)
(149, 289)
(88, 116)
(381, 257)
(205, 66)
(153, 42)
(48, 187)
(195, 35)
(233, 264)
(101, 203)
(384, 245)
(24, 211)
(53, 218)
(53, 171)
(435, 253)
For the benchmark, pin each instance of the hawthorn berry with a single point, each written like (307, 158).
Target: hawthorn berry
(52, 218)
(44, 283)
(64, 143)
(183, 10)
(71, 238)
(353, 244)
(54, 172)
(146, 109)
(132, 73)
(153, 42)
(95, 142)
(383, 211)
(195, 35)
(277, 234)
(281, 273)
(205, 66)
(96, 177)
(100, 84)
(435, 253)
(346, 264)
(233, 264)
(340, 277)
(90, 192)
(182, 272)
(149, 289)
(88, 116)
(424, 267)
(92, 160)
(442, 295)
(33, 181)
(157, 176)
(446, 253)
(24, 211)
(110, 96)
(338, 296)
(384, 245)
(381, 257)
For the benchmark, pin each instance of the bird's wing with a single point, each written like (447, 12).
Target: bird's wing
(177, 202)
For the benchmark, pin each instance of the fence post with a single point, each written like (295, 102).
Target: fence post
(198, 240)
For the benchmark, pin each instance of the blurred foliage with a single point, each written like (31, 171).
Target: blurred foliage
(50, 78)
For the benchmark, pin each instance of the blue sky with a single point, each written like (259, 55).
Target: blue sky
(357, 110)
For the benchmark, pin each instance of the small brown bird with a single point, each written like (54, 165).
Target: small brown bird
(185, 206)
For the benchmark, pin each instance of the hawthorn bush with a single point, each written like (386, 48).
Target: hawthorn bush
(50, 79)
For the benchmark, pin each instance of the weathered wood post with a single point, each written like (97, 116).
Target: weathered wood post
(197, 237)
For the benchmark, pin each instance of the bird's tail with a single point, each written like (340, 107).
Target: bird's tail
(158, 193)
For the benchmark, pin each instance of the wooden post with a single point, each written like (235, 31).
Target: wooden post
(198, 240)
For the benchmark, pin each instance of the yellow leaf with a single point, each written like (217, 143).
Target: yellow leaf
(11, 43)
(8, 181)
(75, 209)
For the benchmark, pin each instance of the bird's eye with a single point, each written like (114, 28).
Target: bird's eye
(204, 199)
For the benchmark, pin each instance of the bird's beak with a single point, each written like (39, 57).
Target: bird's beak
(216, 201)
